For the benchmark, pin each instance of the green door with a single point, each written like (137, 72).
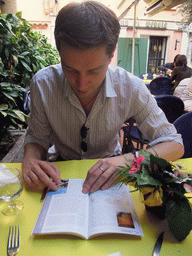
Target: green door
(125, 54)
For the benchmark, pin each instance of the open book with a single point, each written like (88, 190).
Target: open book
(69, 211)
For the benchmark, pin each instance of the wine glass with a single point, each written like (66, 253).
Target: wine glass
(11, 186)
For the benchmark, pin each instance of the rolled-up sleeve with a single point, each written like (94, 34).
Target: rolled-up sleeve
(38, 130)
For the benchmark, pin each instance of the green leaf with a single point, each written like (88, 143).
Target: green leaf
(160, 162)
(14, 94)
(145, 179)
(14, 123)
(3, 107)
(179, 218)
(26, 66)
(25, 53)
(9, 16)
(3, 113)
(18, 15)
(4, 84)
(20, 115)
(34, 67)
(15, 60)
(9, 97)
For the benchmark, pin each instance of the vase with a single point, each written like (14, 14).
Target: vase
(158, 211)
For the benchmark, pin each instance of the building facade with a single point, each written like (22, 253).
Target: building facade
(163, 33)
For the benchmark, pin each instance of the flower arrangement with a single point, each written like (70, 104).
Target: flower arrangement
(164, 186)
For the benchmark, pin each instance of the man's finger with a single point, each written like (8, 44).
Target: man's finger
(52, 170)
(43, 176)
(93, 175)
(105, 178)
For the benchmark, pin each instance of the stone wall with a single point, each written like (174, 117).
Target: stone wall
(15, 155)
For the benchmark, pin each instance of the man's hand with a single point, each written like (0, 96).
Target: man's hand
(37, 173)
(104, 173)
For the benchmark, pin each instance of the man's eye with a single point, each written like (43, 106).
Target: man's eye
(71, 70)
(94, 71)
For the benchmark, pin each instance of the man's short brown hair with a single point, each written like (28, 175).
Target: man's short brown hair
(87, 24)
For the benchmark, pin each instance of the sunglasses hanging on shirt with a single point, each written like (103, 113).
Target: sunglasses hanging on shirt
(83, 133)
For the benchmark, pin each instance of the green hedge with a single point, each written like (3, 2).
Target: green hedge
(22, 53)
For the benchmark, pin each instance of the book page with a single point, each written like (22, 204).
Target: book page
(112, 211)
(64, 211)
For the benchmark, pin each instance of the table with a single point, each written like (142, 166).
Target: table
(147, 82)
(56, 245)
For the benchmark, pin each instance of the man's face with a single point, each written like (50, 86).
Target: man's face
(84, 69)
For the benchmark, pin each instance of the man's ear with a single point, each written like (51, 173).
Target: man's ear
(111, 57)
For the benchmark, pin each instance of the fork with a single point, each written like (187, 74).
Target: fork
(13, 240)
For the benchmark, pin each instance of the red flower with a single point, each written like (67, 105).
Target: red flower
(136, 164)
(133, 170)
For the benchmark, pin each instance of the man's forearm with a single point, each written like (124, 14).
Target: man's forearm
(34, 150)
(170, 151)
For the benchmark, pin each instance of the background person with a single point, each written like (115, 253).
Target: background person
(180, 71)
(186, 96)
(81, 104)
(181, 86)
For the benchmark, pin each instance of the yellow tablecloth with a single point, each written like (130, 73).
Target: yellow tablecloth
(147, 81)
(56, 245)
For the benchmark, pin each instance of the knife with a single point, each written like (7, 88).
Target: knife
(157, 247)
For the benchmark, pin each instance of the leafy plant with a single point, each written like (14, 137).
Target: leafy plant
(10, 115)
(164, 186)
(23, 52)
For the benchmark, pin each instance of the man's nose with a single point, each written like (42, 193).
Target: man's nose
(82, 81)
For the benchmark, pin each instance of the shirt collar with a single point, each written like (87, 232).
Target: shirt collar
(68, 91)
(109, 89)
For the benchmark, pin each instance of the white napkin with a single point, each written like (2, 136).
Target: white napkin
(6, 176)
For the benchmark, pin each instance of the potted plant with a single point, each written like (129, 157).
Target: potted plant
(164, 186)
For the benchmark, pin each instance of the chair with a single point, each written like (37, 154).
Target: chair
(149, 76)
(183, 126)
(160, 85)
(27, 102)
(132, 133)
(172, 106)
(127, 142)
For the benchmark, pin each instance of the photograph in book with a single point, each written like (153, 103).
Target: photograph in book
(69, 211)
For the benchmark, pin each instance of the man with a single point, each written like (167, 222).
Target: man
(80, 105)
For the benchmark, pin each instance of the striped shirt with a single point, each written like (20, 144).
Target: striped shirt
(57, 116)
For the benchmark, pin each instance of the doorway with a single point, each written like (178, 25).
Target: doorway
(157, 53)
